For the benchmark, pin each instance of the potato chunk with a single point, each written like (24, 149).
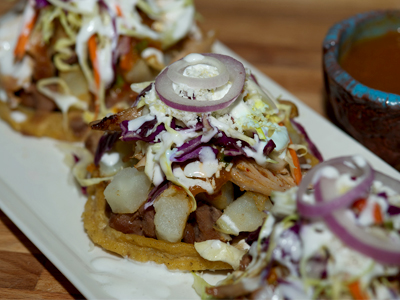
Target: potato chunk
(220, 199)
(243, 214)
(172, 208)
(127, 191)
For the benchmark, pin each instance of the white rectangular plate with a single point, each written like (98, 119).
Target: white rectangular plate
(39, 195)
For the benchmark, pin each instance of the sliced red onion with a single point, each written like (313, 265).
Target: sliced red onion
(237, 76)
(175, 73)
(382, 249)
(324, 208)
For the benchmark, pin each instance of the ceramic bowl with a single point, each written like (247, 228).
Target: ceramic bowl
(370, 116)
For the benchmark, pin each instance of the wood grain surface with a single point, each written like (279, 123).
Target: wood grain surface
(282, 38)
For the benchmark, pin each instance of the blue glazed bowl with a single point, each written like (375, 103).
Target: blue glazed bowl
(370, 116)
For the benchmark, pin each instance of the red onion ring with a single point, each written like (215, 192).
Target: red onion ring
(324, 208)
(382, 249)
(175, 73)
(237, 76)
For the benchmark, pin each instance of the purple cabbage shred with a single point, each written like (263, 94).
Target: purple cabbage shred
(146, 132)
(313, 149)
(192, 154)
(232, 146)
(105, 144)
(189, 146)
(269, 147)
(141, 94)
(76, 158)
(393, 210)
(253, 236)
(84, 190)
(155, 192)
(39, 4)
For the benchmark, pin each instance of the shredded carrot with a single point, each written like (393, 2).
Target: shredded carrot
(127, 61)
(359, 205)
(297, 169)
(93, 58)
(119, 11)
(92, 46)
(377, 214)
(356, 292)
(19, 50)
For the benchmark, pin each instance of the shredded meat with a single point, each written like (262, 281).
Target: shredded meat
(73, 59)
(32, 98)
(229, 291)
(141, 222)
(245, 261)
(201, 223)
(42, 56)
(250, 176)
(199, 227)
(141, 164)
(112, 122)
(223, 177)
(92, 141)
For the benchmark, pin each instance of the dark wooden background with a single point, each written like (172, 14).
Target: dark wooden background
(282, 38)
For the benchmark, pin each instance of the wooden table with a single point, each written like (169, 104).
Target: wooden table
(282, 38)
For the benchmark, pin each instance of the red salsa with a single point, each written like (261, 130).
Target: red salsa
(375, 62)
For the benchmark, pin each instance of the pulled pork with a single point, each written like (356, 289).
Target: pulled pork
(112, 122)
(250, 176)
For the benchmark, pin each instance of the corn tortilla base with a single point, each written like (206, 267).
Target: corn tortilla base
(43, 124)
(177, 256)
